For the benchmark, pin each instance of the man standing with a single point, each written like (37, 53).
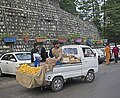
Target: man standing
(43, 54)
(57, 51)
(107, 54)
(57, 55)
(115, 51)
(34, 50)
(36, 57)
(50, 52)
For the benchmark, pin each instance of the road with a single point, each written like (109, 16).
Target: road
(106, 85)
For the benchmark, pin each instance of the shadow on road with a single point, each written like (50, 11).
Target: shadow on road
(67, 85)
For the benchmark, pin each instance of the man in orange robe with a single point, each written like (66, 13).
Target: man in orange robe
(107, 54)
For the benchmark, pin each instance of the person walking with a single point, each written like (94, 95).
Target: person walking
(107, 54)
(115, 52)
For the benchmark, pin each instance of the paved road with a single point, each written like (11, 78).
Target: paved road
(106, 85)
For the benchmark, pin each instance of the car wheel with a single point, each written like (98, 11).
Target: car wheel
(57, 84)
(0, 73)
(89, 77)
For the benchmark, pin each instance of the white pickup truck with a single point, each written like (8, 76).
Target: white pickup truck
(86, 68)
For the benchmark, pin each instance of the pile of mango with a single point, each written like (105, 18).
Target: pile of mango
(26, 69)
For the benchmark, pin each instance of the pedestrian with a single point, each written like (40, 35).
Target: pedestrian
(35, 57)
(115, 52)
(50, 52)
(107, 54)
(43, 54)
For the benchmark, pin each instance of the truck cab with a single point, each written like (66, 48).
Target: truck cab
(77, 61)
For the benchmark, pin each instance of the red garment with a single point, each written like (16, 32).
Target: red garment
(115, 50)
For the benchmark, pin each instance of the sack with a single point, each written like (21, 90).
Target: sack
(50, 63)
(31, 81)
(65, 60)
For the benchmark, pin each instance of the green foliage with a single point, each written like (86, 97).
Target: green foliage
(73, 36)
(41, 36)
(112, 16)
(1, 2)
(62, 36)
(69, 6)
(26, 33)
(89, 10)
(6, 35)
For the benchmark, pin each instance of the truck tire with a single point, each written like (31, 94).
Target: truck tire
(89, 77)
(57, 84)
(1, 73)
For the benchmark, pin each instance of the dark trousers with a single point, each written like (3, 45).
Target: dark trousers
(116, 58)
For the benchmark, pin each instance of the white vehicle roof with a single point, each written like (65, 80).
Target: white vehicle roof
(81, 46)
(16, 52)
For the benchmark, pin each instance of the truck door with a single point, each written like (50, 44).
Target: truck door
(89, 60)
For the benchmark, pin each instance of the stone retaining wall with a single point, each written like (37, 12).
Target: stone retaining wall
(39, 17)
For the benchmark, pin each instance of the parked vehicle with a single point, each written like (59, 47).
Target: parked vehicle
(99, 54)
(86, 68)
(10, 61)
(112, 57)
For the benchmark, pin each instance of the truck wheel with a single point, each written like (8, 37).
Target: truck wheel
(0, 72)
(57, 84)
(89, 77)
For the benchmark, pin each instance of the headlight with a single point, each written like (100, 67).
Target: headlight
(49, 77)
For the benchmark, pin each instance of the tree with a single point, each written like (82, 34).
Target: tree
(89, 10)
(69, 6)
(112, 20)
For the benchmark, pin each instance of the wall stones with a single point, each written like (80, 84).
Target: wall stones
(40, 17)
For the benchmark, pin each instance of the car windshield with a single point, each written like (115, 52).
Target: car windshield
(23, 56)
(99, 51)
